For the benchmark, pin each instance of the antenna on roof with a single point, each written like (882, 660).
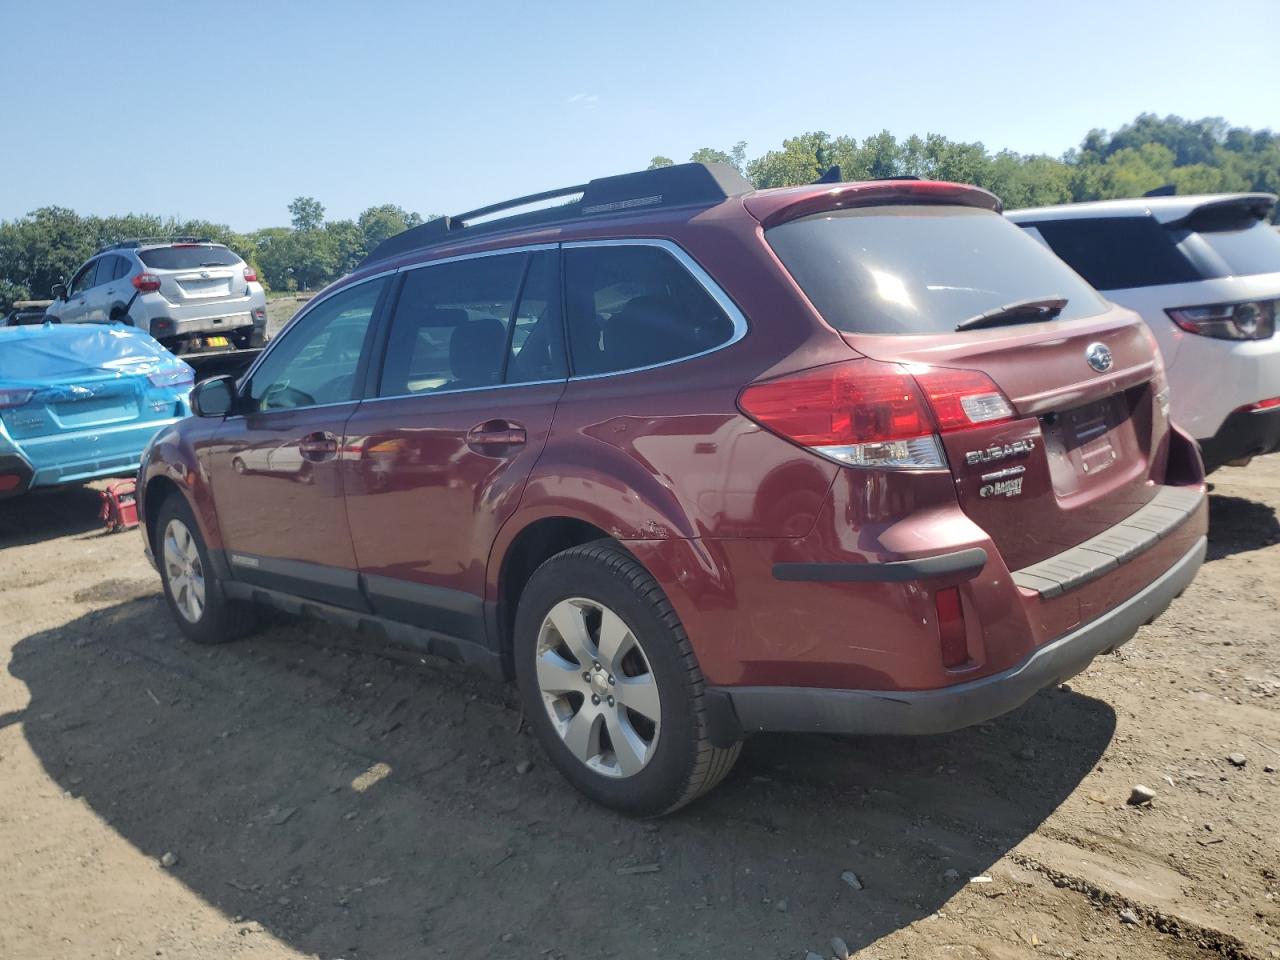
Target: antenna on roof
(1168, 190)
(832, 175)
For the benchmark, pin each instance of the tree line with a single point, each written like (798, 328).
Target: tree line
(1190, 156)
(47, 245)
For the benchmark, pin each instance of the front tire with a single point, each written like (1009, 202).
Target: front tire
(192, 589)
(611, 686)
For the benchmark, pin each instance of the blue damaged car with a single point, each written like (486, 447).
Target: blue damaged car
(79, 401)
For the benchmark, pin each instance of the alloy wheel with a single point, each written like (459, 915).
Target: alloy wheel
(598, 688)
(184, 571)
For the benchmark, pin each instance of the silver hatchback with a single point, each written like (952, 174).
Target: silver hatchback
(189, 294)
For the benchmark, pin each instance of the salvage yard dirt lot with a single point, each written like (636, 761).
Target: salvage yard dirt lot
(312, 796)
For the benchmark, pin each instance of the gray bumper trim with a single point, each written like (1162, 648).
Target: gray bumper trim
(820, 710)
(1138, 532)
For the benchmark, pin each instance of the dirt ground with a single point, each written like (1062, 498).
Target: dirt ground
(323, 798)
(280, 309)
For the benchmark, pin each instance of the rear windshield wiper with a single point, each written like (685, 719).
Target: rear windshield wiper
(1020, 311)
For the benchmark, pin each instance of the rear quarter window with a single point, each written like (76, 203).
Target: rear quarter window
(631, 306)
(918, 269)
(187, 258)
(1118, 253)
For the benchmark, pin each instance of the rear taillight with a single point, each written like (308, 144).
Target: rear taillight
(9, 481)
(15, 398)
(1273, 403)
(180, 377)
(962, 398)
(1251, 320)
(250, 275)
(865, 413)
(146, 282)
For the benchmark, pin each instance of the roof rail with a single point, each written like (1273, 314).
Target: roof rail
(683, 184)
(147, 241)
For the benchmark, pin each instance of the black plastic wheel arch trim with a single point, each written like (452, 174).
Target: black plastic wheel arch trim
(967, 563)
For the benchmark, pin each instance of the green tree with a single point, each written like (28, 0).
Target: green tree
(736, 156)
(346, 243)
(660, 161)
(383, 221)
(802, 159)
(273, 253)
(10, 293)
(44, 248)
(307, 213)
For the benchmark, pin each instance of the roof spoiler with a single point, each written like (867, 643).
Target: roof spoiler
(772, 207)
(147, 241)
(679, 185)
(1221, 212)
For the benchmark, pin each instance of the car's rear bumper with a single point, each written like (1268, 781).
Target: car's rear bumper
(82, 455)
(178, 326)
(748, 709)
(1245, 433)
(15, 475)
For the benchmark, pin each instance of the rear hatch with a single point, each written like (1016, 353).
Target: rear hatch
(74, 378)
(196, 273)
(1068, 394)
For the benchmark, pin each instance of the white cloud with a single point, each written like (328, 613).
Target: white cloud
(587, 98)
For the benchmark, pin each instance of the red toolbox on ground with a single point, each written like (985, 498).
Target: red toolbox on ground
(119, 508)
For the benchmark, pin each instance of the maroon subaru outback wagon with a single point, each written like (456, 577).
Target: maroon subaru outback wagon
(690, 460)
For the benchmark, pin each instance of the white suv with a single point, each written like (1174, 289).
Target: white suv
(188, 293)
(1204, 273)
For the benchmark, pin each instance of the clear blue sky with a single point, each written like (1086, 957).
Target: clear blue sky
(228, 110)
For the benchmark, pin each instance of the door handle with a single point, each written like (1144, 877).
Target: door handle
(318, 446)
(491, 435)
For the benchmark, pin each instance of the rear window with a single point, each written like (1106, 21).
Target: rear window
(921, 269)
(1119, 253)
(1253, 249)
(187, 258)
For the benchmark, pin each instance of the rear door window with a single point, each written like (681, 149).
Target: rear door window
(474, 323)
(1119, 253)
(314, 362)
(916, 269)
(108, 269)
(635, 305)
(188, 257)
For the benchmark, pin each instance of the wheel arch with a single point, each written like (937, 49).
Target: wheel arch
(158, 489)
(511, 566)
(688, 572)
(172, 469)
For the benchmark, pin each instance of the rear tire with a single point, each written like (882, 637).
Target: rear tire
(611, 686)
(192, 589)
